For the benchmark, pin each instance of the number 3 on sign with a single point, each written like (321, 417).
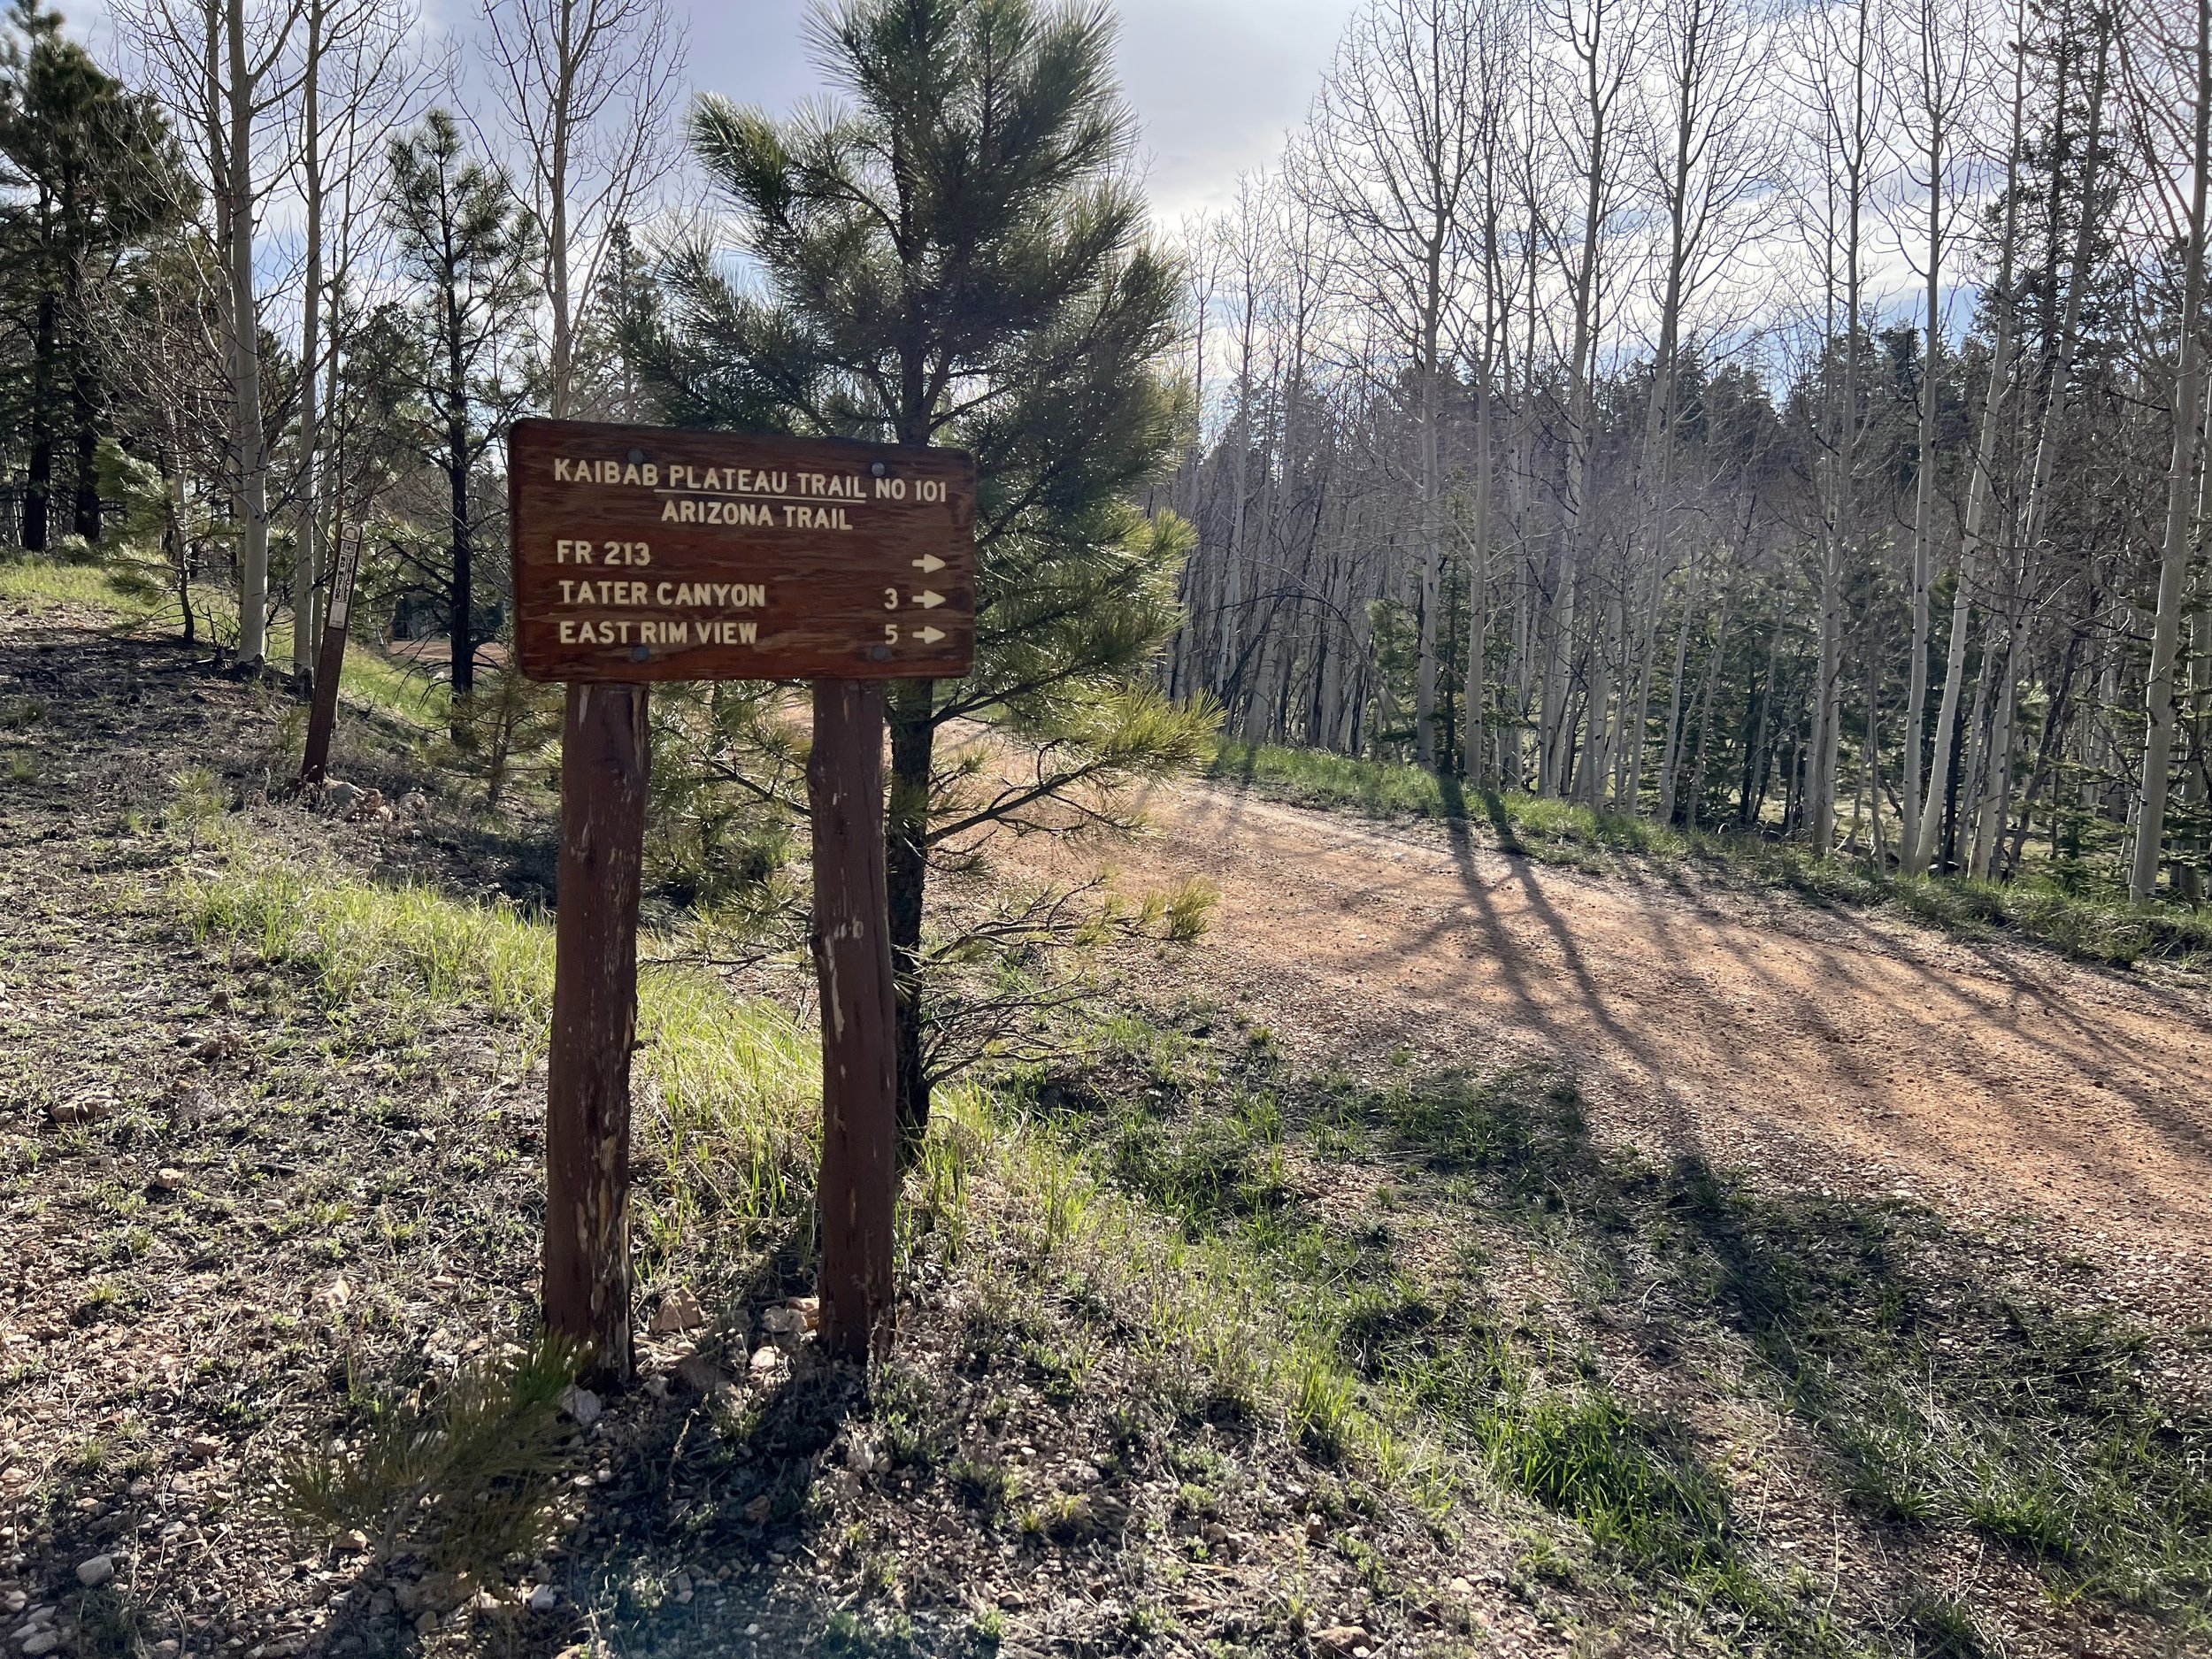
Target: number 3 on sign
(890, 599)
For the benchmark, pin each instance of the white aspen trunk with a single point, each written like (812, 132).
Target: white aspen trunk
(1432, 539)
(1978, 490)
(1598, 97)
(1923, 497)
(2173, 566)
(249, 437)
(1671, 755)
(307, 563)
(565, 65)
(1475, 698)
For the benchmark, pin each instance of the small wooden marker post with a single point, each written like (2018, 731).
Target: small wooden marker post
(645, 553)
(330, 663)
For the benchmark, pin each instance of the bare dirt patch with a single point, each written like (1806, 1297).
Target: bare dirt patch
(1816, 1047)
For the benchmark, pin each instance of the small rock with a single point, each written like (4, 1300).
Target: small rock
(168, 1180)
(543, 1598)
(1460, 1587)
(201, 1446)
(97, 1570)
(14, 1602)
(581, 1404)
(862, 1458)
(679, 1310)
(427, 1622)
(86, 1109)
(1342, 1641)
(757, 1511)
(681, 1585)
(414, 803)
(357, 1540)
(700, 1376)
(43, 1641)
(340, 796)
(337, 1292)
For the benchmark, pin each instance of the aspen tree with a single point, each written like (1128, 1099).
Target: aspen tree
(2185, 177)
(585, 87)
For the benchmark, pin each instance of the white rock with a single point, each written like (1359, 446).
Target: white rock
(98, 1571)
(765, 1360)
(581, 1404)
(542, 1599)
(783, 1321)
(42, 1642)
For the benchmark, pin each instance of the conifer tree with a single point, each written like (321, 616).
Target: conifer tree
(89, 169)
(956, 255)
(466, 246)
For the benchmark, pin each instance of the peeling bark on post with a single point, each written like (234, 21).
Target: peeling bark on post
(587, 1267)
(852, 960)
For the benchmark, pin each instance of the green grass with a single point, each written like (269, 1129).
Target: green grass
(2055, 906)
(1944, 1400)
(1153, 1180)
(126, 591)
(132, 590)
(730, 1083)
(402, 691)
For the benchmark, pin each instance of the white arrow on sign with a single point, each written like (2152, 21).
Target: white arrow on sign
(928, 600)
(929, 564)
(929, 636)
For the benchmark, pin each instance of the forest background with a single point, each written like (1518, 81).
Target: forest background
(1786, 419)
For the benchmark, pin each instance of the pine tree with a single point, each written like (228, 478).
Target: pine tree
(466, 247)
(957, 256)
(89, 169)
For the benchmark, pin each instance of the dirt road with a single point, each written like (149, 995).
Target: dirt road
(1821, 1049)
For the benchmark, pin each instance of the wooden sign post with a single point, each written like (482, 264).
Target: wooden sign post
(330, 663)
(645, 553)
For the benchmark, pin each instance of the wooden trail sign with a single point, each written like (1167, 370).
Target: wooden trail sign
(645, 553)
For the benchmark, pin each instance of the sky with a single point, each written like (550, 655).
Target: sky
(1215, 83)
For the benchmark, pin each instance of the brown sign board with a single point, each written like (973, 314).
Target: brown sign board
(655, 553)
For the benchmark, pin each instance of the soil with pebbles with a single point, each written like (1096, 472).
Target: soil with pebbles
(227, 1204)
(1818, 1048)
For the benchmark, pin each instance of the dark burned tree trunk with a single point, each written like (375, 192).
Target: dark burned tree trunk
(906, 861)
(462, 622)
(39, 468)
(84, 408)
(456, 471)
